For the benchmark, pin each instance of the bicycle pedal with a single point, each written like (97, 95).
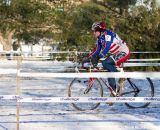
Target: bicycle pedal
(111, 95)
(117, 95)
(110, 103)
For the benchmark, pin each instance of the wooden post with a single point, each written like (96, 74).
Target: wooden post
(19, 61)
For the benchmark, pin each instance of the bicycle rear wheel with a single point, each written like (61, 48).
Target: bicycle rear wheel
(78, 87)
(138, 88)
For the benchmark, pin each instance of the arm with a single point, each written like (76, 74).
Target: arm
(95, 51)
(108, 40)
(105, 50)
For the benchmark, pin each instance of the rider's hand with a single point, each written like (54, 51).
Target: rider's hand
(95, 60)
(85, 60)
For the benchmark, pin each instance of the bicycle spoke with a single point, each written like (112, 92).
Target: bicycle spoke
(77, 89)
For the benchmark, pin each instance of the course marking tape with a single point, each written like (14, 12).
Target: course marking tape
(140, 64)
(155, 59)
(77, 99)
(8, 71)
(136, 75)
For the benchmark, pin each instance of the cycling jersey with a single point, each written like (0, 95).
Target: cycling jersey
(109, 43)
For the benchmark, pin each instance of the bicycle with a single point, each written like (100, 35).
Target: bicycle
(93, 87)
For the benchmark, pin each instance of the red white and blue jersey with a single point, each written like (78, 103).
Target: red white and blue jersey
(110, 43)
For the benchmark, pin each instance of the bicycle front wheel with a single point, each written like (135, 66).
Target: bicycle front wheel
(80, 88)
(138, 88)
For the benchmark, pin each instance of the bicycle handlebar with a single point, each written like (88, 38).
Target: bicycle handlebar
(88, 66)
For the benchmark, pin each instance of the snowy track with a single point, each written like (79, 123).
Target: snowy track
(62, 116)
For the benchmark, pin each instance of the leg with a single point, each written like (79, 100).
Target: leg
(120, 85)
(109, 65)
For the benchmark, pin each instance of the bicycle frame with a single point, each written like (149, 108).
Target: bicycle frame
(136, 90)
(99, 68)
(109, 87)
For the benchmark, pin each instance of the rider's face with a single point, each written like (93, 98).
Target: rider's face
(97, 34)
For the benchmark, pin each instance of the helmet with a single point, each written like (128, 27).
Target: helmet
(98, 26)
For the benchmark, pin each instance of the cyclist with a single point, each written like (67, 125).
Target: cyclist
(110, 49)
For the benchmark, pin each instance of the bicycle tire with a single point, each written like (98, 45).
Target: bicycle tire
(76, 89)
(145, 90)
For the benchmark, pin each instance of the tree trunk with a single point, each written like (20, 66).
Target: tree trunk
(121, 11)
(6, 40)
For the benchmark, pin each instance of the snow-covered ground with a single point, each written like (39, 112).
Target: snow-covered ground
(62, 116)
